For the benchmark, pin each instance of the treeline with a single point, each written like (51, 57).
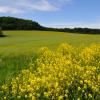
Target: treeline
(11, 23)
(76, 30)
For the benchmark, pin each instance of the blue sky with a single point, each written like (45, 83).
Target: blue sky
(55, 13)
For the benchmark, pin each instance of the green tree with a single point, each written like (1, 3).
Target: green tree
(1, 33)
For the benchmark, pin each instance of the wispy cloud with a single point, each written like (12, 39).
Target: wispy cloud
(74, 24)
(40, 5)
(18, 6)
(5, 9)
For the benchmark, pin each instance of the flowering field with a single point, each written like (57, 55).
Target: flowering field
(18, 48)
(69, 73)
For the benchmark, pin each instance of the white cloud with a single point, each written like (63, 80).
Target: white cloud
(74, 24)
(5, 9)
(19, 6)
(45, 6)
(40, 5)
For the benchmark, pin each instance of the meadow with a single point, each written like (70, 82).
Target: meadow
(23, 42)
(28, 72)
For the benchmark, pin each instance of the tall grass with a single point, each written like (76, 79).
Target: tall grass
(11, 65)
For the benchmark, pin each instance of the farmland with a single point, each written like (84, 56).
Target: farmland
(69, 71)
(22, 42)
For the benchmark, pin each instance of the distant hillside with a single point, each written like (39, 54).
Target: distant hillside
(11, 23)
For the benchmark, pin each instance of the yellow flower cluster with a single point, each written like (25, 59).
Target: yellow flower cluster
(61, 75)
(91, 55)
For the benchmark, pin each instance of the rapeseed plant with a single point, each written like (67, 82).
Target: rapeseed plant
(61, 75)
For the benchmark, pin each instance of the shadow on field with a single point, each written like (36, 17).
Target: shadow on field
(85, 33)
(2, 36)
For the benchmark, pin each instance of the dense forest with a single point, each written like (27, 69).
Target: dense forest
(11, 23)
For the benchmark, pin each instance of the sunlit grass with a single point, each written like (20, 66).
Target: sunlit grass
(21, 42)
(18, 49)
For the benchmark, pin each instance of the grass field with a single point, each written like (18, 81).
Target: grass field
(19, 50)
(22, 42)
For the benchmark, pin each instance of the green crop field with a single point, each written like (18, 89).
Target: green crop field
(23, 42)
(19, 51)
(18, 48)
